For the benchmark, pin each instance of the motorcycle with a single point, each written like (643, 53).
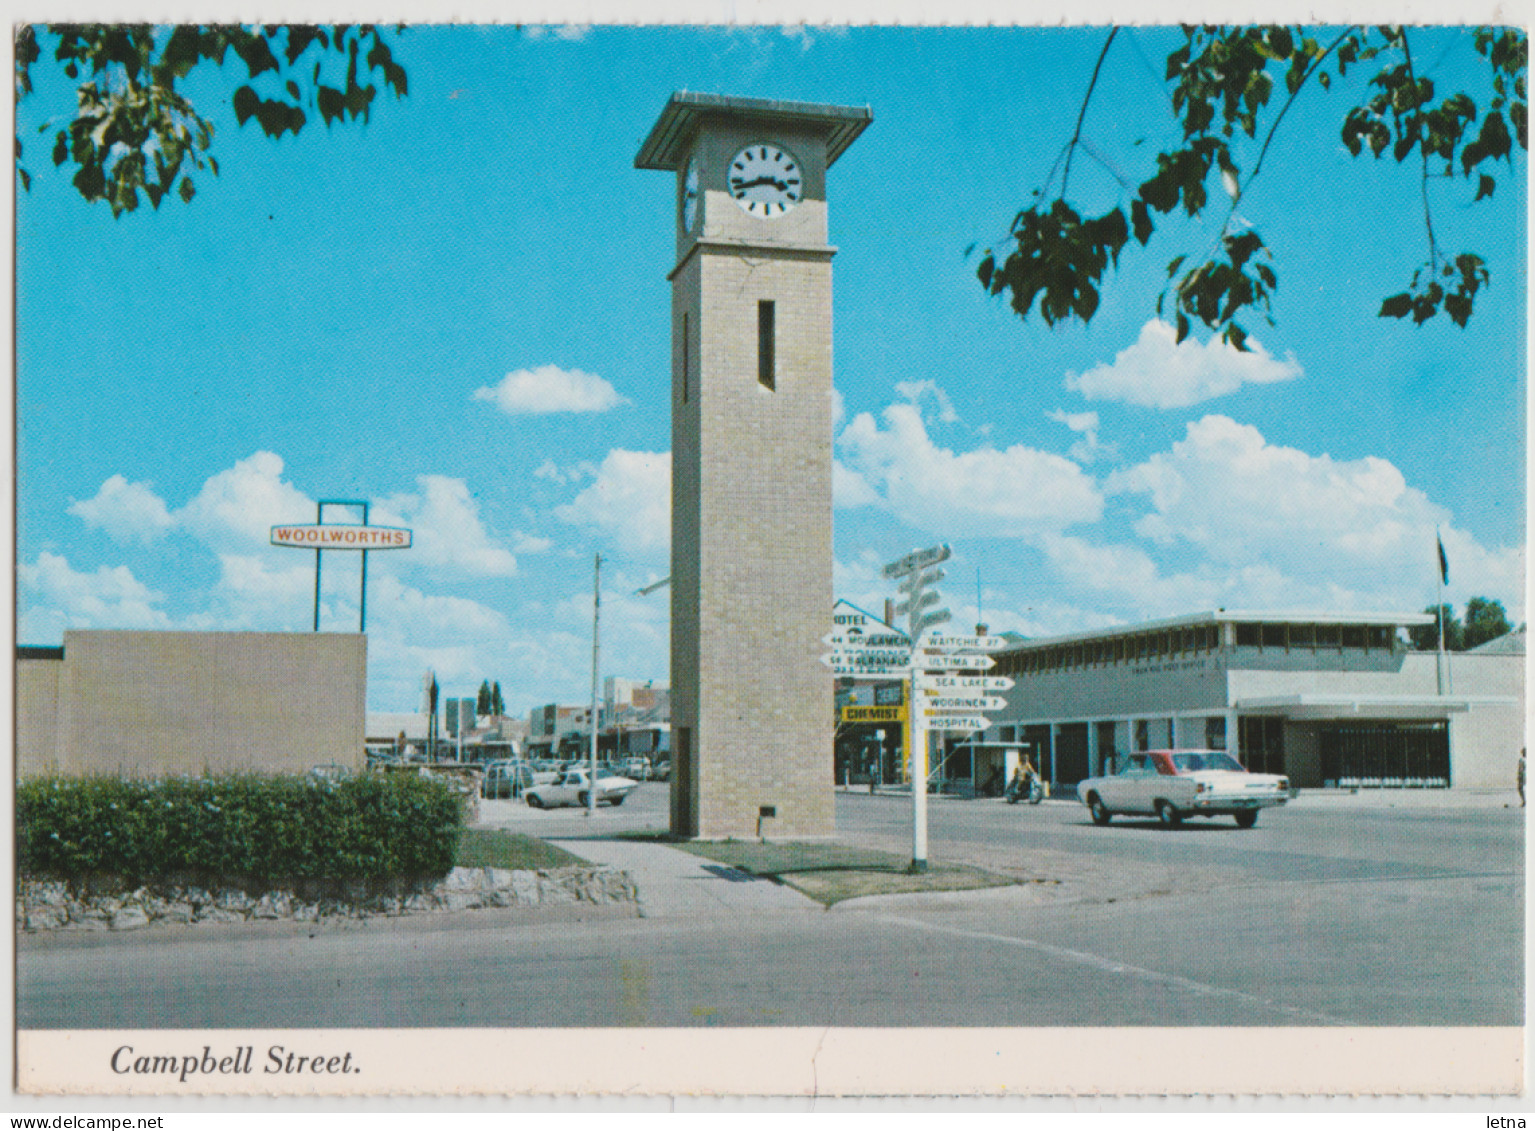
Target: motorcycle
(1026, 788)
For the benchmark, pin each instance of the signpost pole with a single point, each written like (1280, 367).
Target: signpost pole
(362, 603)
(918, 731)
(319, 519)
(591, 785)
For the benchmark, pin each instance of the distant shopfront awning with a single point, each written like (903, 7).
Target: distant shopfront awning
(1322, 708)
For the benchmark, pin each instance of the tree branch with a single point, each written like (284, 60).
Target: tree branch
(1417, 120)
(1082, 113)
(1311, 70)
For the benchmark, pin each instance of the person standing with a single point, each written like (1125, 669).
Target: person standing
(1519, 777)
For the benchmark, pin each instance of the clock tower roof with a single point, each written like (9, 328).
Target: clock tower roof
(671, 137)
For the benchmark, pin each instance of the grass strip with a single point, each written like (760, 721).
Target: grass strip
(496, 848)
(831, 873)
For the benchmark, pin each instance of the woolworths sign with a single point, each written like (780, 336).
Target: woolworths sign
(335, 536)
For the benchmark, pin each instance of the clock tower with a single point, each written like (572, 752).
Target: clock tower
(751, 588)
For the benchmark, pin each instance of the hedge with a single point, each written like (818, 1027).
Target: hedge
(368, 827)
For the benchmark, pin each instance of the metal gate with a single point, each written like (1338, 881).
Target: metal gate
(1387, 754)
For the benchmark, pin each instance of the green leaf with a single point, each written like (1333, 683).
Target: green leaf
(187, 190)
(246, 102)
(1484, 187)
(1182, 327)
(1141, 219)
(1397, 306)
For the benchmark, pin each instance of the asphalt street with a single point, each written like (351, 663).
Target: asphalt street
(1333, 911)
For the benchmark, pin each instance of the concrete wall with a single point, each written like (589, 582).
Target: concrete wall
(37, 716)
(1114, 690)
(1485, 742)
(184, 702)
(1256, 675)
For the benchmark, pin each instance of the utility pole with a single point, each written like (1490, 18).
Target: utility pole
(591, 789)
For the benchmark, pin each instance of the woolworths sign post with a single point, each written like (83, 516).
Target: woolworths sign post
(342, 536)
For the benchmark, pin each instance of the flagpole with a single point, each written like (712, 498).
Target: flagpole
(1439, 608)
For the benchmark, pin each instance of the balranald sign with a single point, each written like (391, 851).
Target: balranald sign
(335, 536)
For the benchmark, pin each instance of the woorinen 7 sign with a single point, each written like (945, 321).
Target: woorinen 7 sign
(336, 536)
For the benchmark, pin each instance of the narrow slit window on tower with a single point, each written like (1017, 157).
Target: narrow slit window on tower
(684, 357)
(766, 372)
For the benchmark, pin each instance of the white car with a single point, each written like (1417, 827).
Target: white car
(1173, 784)
(572, 789)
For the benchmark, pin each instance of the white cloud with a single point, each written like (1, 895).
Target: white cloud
(1294, 528)
(980, 493)
(568, 33)
(399, 610)
(553, 472)
(915, 391)
(801, 33)
(448, 534)
(531, 543)
(551, 389)
(1089, 448)
(849, 489)
(253, 583)
(109, 598)
(236, 509)
(1158, 372)
(630, 501)
(126, 511)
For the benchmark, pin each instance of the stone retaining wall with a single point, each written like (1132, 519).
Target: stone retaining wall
(45, 905)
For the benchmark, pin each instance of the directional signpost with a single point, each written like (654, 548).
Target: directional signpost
(947, 691)
(941, 662)
(942, 721)
(956, 683)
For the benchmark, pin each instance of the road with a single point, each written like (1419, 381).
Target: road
(1330, 912)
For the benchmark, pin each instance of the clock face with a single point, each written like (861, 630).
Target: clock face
(766, 180)
(690, 195)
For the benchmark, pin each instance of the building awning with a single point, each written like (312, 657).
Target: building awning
(1346, 707)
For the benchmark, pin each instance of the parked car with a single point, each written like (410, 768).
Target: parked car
(662, 770)
(573, 788)
(331, 771)
(637, 768)
(1173, 784)
(507, 778)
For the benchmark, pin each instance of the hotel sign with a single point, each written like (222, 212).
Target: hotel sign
(335, 536)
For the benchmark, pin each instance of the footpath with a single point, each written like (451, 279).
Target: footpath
(676, 884)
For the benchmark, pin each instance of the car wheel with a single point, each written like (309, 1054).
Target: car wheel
(534, 801)
(583, 798)
(615, 801)
(1100, 813)
(1168, 815)
(1246, 819)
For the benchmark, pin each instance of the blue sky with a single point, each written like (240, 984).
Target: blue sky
(460, 313)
